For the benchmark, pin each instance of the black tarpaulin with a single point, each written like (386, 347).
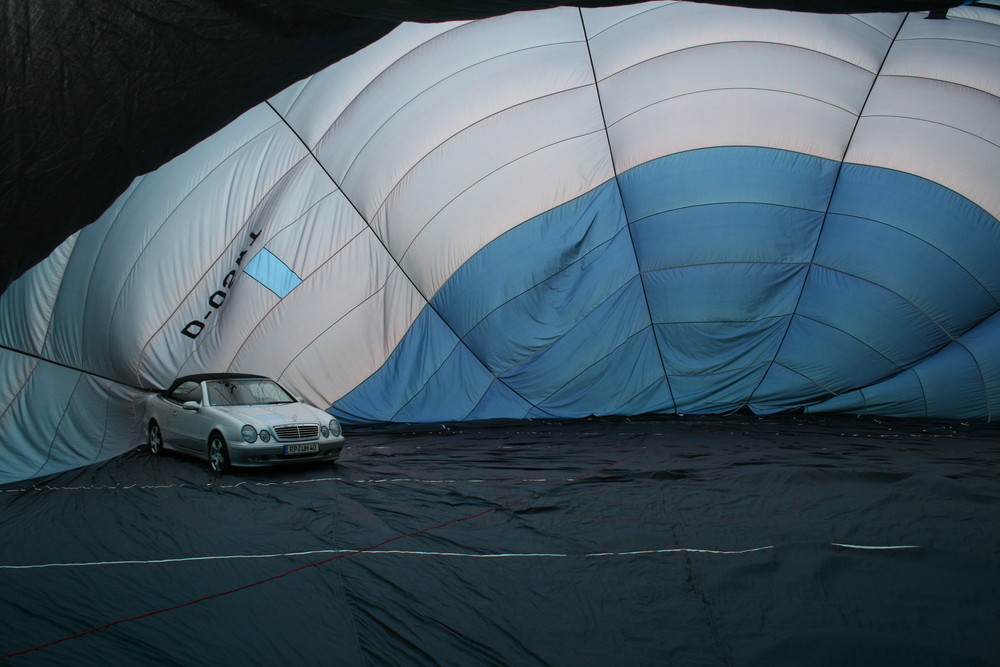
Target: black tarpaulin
(694, 541)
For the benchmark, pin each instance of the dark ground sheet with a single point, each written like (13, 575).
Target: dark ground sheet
(690, 541)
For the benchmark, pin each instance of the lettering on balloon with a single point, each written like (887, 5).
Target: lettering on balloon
(194, 328)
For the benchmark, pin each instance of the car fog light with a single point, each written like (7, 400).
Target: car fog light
(325, 431)
(335, 428)
(265, 436)
(249, 433)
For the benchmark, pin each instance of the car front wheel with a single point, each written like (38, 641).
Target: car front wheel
(155, 438)
(218, 453)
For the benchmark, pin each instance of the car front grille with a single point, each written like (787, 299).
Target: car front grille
(289, 432)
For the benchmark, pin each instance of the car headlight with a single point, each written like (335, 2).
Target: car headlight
(265, 436)
(249, 433)
(335, 428)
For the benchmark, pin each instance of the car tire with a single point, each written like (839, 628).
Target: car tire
(218, 453)
(155, 438)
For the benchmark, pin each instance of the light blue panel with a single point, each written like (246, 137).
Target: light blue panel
(701, 348)
(528, 255)
(423, 350)
(451, 393)
(717, 392)
(547, 311)
(728, 174)
(910, 267)
(784, 389)
(604, 329)
(715, 233)
(871, 314)
(829, 358)
(500, 401)
(946, 220)
(272, 273)
(723, 292)
(623, 379)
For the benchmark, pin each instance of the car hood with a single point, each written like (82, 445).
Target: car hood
(285, 413)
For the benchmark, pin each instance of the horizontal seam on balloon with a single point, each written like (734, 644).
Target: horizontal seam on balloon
(858, 19)
(426, 90)
(166, 219)
(629, 18)
(933, 122)
(924, 241)
(716, 90)
(811, 380)
(724, 203)
(377, 77)
(753, 321)
(948, 39)
(899, 367)
(483, 178)
(238, 236)
(73, 368)
(709, 45)
(727, 371)
(945, 82)
(493, 115)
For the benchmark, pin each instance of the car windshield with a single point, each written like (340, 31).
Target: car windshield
(246, 392)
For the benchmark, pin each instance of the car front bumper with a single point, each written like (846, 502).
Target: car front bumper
(244, 455)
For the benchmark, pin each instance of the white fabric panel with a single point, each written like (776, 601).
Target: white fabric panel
(817, 80)
(955, 159)
(731, 118)
(454, 104)
(431, 63)
(298, 195)
(188, 258)
(969, 63)
(311, 106)
(502, 200)
(28, 303)
(348, 352)
(472, 155)
(678, 26)
(15, 370)
(984, 14)
(599, 19)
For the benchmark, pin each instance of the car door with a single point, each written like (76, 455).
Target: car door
(180, 430)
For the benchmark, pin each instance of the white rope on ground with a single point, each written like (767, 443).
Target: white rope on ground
(449, 554)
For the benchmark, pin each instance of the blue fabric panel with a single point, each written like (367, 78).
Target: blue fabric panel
(608, 326)
(272, 273)
(425, 347)
(718, 392)
(728, 174)
(451, 393)
(728, 232)
(918, 206)
(723, 292)
(828, 357)
(500, 401)
(784, 389)
(900, 396)
(873, 315)
(953, 385)
(908, 266)
(544, 313)
(623, 378)
(528, 255)
(702, 348)
(983, 343)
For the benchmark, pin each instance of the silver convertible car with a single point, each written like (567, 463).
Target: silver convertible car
(239, 420)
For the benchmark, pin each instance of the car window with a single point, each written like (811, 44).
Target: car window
(246, 392)
(186, 391)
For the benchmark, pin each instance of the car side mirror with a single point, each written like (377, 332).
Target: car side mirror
(191, 405)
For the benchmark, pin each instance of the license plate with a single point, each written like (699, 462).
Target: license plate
(306, 448)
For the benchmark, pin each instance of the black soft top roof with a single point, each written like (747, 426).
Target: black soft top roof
(210, 376)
